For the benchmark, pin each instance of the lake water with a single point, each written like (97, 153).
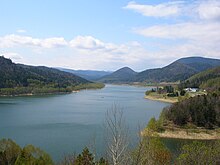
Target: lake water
(64, 124)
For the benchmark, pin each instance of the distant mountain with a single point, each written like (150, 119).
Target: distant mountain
(178, 70)
(123, 75)
(20, 78)
(200, 63)
(91, 75)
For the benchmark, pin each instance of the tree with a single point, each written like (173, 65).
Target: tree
(199, 153)
(152, 124)
(12, 154)
(33, 155)
(151, 151)
(85, 158)
(116, 136)
(9, 151)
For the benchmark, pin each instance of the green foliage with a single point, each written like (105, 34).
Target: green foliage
(202, 111)
(11, 153)
(176, 94)
(103, 161)
(212, 85)
(86, 158)
(153, 125)
(33, 155)
(199, 153)
(151, 150)
(147, 93)
(169, 89)
(89, 86)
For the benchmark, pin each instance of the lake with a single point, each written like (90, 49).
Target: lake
(64, 124)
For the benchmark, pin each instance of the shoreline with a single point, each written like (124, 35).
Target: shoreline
(37, 94)
(190, 135)
(186, 134)
(90, 86)
(43, 94)
(161, 99)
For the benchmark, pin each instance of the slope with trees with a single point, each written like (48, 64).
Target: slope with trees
(18, 79)
(209, 80)
(123, 75)
(178, 70)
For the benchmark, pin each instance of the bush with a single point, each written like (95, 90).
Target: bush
(11, 153)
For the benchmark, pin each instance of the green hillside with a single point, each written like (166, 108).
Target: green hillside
(123, 75)
(23, 79)
(209, 80)
(171, 73)
(178, 71)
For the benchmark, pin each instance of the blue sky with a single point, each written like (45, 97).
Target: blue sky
(107, 35)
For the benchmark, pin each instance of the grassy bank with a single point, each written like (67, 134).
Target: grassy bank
(182, 133)
(161, 97)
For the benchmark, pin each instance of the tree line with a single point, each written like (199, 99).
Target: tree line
(201, 110)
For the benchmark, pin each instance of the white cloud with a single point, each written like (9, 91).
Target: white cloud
(203, 9)
(13, 40)
(190, 31)
(87, 42)
(209, 10)
(160, 10)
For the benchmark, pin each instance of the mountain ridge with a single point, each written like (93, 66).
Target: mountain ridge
(179, 70)
(91, 75)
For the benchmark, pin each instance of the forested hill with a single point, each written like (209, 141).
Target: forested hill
(181, 69)
(200, 63)
(209, 80)
(171, 73)
(20, 78)
(123, 75)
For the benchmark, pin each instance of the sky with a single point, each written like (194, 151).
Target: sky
(108, 34)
